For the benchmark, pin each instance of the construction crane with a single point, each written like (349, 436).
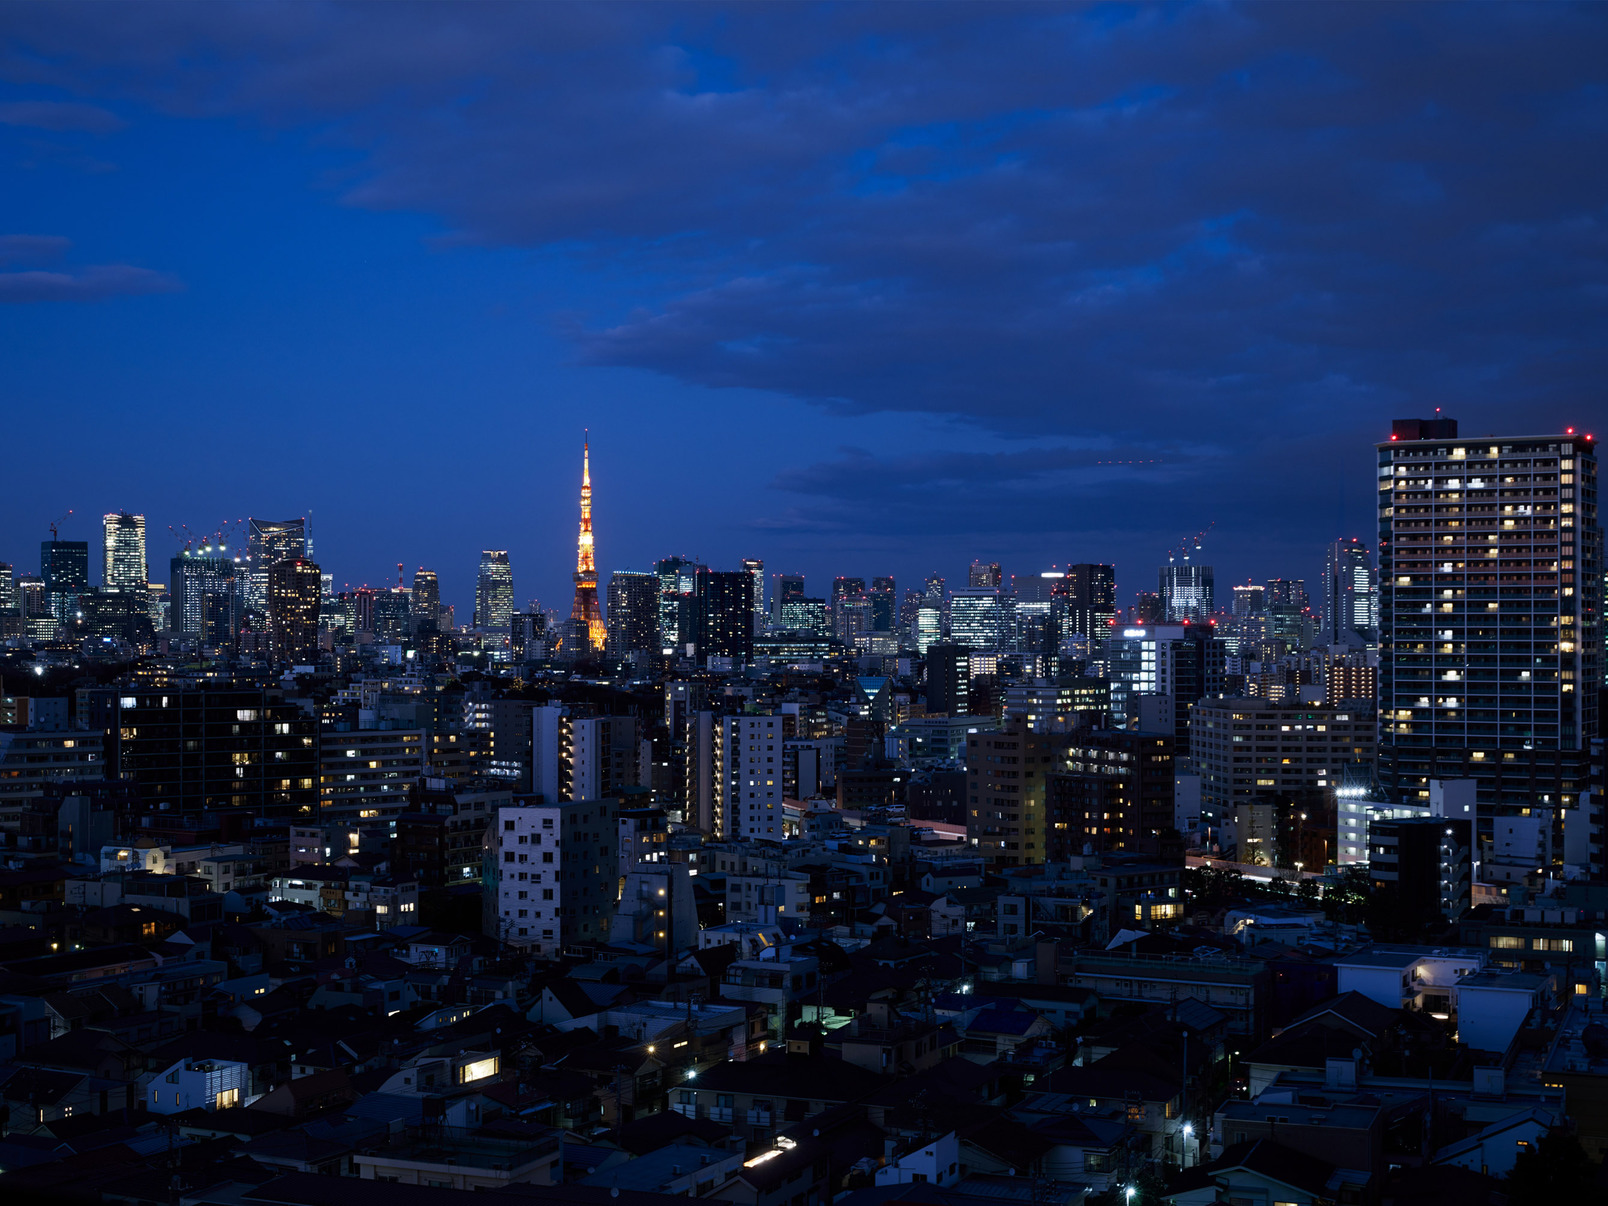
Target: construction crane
(1183, 550)
(54, 535)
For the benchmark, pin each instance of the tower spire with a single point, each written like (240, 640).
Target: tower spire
(586, 618)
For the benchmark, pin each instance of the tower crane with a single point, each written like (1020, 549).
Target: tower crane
(54, 535)
(1183, 550)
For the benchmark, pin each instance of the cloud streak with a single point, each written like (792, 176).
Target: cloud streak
(84, 284)
(60, 117)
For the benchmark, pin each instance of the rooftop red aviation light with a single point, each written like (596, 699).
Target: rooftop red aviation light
(1568, 431)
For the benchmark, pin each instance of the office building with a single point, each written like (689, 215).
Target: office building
(677, 578)
(1249, 600)
(204, 591)
(8, 590)
(123, 553)
(846, 588)
(1286, 592)
(984, 575)
(494, 592)
(1186, 592)
(391, 612)
(1245, 748)
(789, 589)
(64, 567)
(1490, 571)
(633, 614)
(724, 609)
(552, 874)
(1090, 591)
(982, 618)
(927, 629)
(587, 635)
(1175, 665)
(756, 567)
(948, 680)
(884, 598)
(424, 609)
(293, 603)
(215, 750)
(527, 636)
(268, 542)
(748, 762)
(1350, 594)
(851, 620)
(805, 616)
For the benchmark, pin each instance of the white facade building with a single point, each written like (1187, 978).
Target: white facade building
(553, 873)
(748, 777)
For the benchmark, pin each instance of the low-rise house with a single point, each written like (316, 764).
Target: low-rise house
(444, 1157)
(197, 1084)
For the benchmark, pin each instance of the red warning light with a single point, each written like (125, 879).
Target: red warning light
(1395, 437)
(1568, 431)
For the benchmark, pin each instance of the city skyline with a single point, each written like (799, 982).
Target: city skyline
(324, 299)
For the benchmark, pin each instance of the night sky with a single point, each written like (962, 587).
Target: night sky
(857, 289)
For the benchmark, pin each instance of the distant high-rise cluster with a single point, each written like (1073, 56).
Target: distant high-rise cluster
(555, 869)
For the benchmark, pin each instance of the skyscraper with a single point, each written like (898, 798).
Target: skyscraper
(884, 597)
(1186, 591)
(494, 591)
(1248, 599)
(756, 566)
(270, 541)
(633, 613)
(789, 587)
(425, 613)
(677, 576)
(985, 575)
(724, 606)
(586, 617)
(1490, 567)
(123, 564)
(293, 598)
(1091, 600)
(847, 588)
(203, 589)
(980, 618)
(1350, 596)
(64, 565)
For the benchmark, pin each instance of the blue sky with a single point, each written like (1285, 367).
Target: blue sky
(857, 289)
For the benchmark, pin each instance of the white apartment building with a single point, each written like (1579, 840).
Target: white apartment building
(552, 875)
(748, 777)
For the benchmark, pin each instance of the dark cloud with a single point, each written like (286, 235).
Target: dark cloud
(1193, 224)
(60, 116)
(32, 249)
(84, 284)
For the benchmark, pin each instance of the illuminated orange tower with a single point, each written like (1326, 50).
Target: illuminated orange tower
(585, 616)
